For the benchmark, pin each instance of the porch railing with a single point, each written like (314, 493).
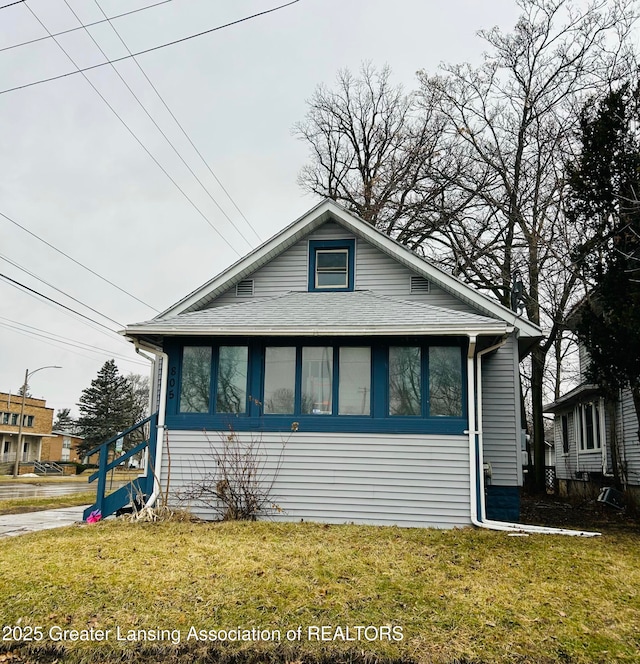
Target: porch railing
(47, 468)
(139, 489)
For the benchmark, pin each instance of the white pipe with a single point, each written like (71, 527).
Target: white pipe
(477, 472)
(473, 478)
(161, 420)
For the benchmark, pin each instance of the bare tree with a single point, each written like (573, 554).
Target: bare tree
(371, 150)
(475, 177)
(511, 126)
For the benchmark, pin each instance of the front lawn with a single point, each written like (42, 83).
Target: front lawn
(22, 505)
(457, 595)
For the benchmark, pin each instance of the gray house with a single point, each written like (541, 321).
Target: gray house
(592, 433)
(380, 389)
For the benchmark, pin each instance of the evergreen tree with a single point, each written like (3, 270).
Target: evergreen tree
(64, 421)
(605, 186)
(104, 407)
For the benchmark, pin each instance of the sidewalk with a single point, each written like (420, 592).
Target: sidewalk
(19, 524)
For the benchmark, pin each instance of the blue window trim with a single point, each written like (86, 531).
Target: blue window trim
(379, 421)
(349, 245)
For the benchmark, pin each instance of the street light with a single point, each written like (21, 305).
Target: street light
(16, 465)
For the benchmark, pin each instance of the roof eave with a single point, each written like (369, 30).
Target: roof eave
(270, 331)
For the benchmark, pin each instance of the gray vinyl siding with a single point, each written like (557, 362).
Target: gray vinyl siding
(406, 480)
(374, 271)
(629, 423)
(501, 420)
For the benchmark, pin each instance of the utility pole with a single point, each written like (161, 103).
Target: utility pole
(16, 464)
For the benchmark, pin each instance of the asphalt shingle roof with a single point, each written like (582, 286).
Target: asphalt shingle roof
(357, 312)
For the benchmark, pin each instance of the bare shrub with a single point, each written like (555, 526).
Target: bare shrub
(240, 485)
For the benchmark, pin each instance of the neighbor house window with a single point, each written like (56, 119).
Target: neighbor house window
(589, 435)
(331, 265)
(564, 429)
(66, 448)
(196, 379)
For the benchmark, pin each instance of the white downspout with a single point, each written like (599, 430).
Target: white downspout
(477, 472)
(162, 409)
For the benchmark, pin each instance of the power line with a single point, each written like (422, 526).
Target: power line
(157, 126)
(100, 330)
(51, 336)
(148, 50)
(182, 129)
(17, 284)
(35, 276)
(18, 2)
(84, 267)
(52, 342)
(133, 134)
(89, 25)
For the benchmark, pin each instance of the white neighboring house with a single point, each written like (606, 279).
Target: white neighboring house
(400, 380)
(590, 432)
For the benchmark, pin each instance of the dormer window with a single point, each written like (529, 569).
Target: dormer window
(331, 265)
(332, 268)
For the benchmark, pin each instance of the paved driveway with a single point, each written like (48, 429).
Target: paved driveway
(19, 524)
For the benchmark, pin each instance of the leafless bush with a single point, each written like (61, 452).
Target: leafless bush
(240, 486)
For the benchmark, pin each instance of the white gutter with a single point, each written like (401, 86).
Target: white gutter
(461, 329)
(476, 456)
(162, 408)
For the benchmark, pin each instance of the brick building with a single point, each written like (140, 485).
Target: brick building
(61, 447)
(37, 422)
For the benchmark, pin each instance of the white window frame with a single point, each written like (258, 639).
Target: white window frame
(333, 270)
(598, 424)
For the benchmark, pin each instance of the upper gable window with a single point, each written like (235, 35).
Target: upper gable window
(331, 265)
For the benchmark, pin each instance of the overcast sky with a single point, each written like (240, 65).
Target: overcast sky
(75, 176)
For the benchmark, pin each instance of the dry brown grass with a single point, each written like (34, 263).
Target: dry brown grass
(472, 596)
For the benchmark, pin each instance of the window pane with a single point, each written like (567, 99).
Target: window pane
(565, 434)
(232, 379)
(317, 380)
(355, 381)
(445, 381)
(279, 380)
(196, 379)
(588, 416)
(331, 268)
(331, 260)
(404, 380)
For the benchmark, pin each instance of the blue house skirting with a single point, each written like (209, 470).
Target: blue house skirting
(503, 503)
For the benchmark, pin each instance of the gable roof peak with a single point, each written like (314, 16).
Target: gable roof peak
(321, 213)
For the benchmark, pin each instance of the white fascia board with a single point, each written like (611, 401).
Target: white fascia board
(208, 331)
